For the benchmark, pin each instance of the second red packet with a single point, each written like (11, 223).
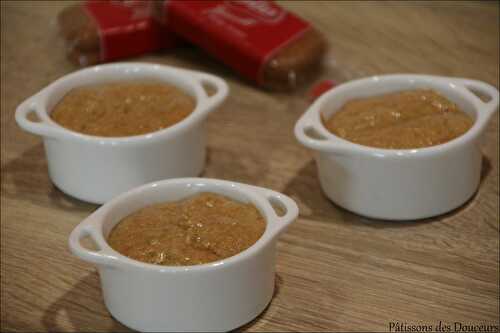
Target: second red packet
(258, 39)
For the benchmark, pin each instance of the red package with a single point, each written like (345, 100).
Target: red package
(106, 30)
(320, 88)
(258, 39)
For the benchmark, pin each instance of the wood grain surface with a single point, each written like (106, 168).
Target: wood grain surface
(335, 271)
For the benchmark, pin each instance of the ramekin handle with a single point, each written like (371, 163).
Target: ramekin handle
(483, 88)
(221, 88)
(41, 127)
(99, 257)
(285, 202)
(307, 124)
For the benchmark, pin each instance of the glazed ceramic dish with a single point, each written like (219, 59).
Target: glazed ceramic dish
(217, 296)
(399, 184)
(95, 169)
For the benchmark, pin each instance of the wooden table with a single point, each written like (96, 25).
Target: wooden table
(335, 271)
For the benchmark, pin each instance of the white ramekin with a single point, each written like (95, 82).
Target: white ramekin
(398, 184)
(95, 169)
(217, 296)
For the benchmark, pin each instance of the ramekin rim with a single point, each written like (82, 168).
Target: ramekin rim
(40, 99)
(463, 139)
(129, 263)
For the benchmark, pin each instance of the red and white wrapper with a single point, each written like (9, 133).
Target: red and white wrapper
(243, 34)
